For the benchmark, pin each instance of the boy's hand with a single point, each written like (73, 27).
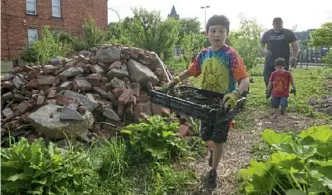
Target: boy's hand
(293, 91)
(171, 84)
(292, 61)
(230, 100)
(268, 93)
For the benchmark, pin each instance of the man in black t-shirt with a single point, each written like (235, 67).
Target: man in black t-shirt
(277, 41)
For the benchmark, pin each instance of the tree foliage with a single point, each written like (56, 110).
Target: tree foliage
(192, 43)
(322, 37)
(246, 41)
(148, 31)
(188, 26)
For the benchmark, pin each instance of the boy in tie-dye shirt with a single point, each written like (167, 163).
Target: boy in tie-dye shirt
(222, 70)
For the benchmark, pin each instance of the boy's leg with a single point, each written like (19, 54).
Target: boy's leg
(283, 105)
(275, 102)
(219, 137)
(206, 130)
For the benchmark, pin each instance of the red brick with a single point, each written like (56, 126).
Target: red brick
(117, 92)
(125, 96)
(183, 130)
(143, 97)
(15, 21)
(24, 106)
(159, 110)
(136, 88)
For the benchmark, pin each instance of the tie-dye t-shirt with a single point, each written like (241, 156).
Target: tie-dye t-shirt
(220, 70)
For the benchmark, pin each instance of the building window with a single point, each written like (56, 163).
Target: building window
(31, 7)
(32, 35)
(56, 11)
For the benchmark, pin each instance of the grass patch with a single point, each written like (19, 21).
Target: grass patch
(309, 85)
(6, 66)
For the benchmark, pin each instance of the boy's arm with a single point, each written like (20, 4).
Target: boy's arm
(240, 73)
(291, 80)
(269, 85)
(193, 70)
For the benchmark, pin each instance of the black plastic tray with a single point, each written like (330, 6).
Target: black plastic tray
(197, 108)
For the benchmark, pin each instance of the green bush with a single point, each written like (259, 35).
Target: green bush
(156, 140)
(328, 59)
(39, 169)
(44, 49)
(298, 164)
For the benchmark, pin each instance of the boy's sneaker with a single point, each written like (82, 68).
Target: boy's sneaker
(212, 179)
(211, 158)
(282, 111)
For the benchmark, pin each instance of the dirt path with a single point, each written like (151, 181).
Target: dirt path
(238, 150)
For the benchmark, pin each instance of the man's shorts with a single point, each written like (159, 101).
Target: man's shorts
(279, 101)
(218, 133)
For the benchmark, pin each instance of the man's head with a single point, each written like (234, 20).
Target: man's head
(277, 24)
(279, 64)
(217, 29)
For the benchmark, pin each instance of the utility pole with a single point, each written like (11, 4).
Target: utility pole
(205, 7)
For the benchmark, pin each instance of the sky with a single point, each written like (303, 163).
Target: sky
(293, 12)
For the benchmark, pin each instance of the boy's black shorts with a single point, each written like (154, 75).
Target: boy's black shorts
(218, 133)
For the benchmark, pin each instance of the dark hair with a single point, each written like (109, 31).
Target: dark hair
(279, 62)
(218, 20)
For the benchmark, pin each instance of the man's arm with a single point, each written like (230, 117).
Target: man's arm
(295, 48)
(263, 43)
(294, 44)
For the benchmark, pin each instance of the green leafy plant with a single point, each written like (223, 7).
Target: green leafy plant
(49, 46)
(155, 140)
(39, 169)
(298, 164)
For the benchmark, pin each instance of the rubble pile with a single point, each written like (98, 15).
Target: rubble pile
(95, 93)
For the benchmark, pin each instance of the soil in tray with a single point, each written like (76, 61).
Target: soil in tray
(193, 95)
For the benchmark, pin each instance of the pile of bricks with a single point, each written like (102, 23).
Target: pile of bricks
(114, 81)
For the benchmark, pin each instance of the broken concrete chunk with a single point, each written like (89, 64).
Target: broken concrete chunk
(117, 73)
(82, 84)
(72, 71)
(54, 128)
(108, 55)
(110, 114)
(66, 85)
(141, 73)
(97, 69)
(90, 105)
(8, 113)
(18, 82)
(68, 113)
(45, 80)
(49, 69)
(117, 83)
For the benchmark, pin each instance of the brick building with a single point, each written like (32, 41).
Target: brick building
(23, 19)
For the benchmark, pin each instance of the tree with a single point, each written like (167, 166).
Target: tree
(246, 41)
(188, 26)
(192, 43)
(322, 37)
(146, 30)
